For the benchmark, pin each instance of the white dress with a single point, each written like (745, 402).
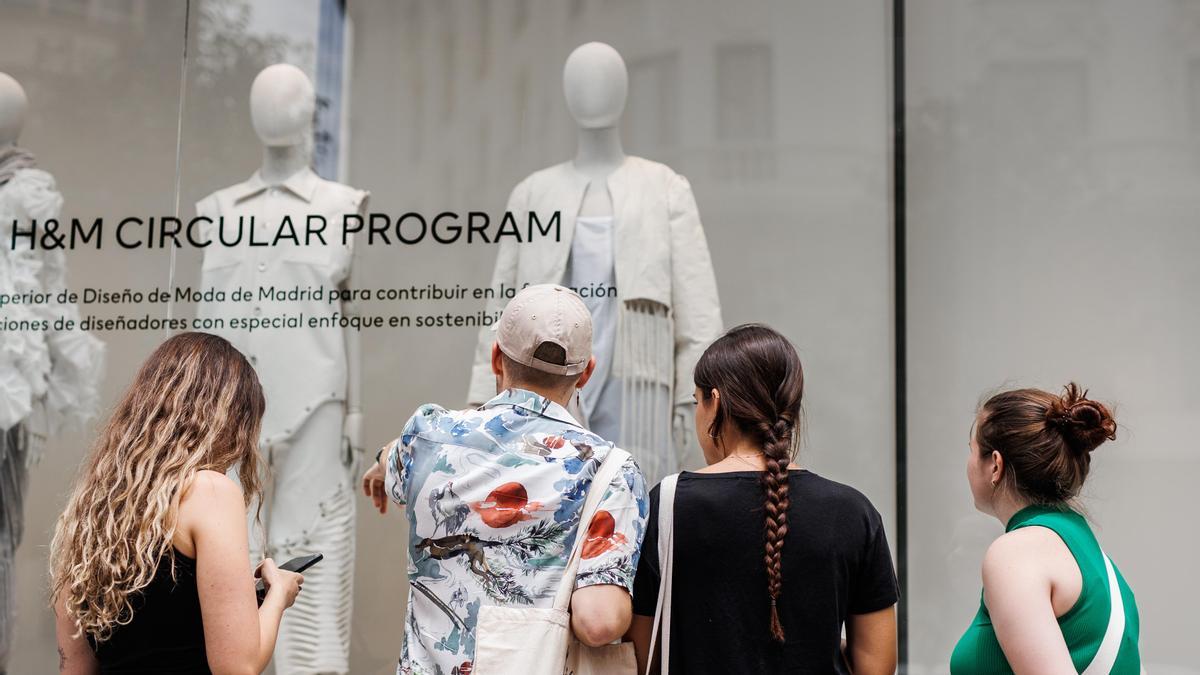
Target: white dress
(304, 375)
(592, 271)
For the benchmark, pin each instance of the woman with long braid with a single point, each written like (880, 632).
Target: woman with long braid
(753, 518)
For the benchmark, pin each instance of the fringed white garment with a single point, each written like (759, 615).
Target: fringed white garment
(644, 367)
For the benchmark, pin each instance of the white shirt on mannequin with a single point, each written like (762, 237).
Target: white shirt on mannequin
(299, 368)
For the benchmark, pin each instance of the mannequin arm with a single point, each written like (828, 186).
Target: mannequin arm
(352, 431)
(353, 428)
(695, 304)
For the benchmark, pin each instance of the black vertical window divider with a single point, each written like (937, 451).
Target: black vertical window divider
(900, 308)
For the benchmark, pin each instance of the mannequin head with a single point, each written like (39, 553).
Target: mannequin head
(13, 104)
(282, 102)
(595, 83)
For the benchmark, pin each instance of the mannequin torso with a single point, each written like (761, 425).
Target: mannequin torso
(313, 426)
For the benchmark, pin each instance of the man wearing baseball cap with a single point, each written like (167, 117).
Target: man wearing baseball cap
(494, 494)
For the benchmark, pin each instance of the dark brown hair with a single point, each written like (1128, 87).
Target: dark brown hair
(520, 374)
(1046, 440)
(761, 383)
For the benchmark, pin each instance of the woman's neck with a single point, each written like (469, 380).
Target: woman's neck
(741, 454)
(1007, 505)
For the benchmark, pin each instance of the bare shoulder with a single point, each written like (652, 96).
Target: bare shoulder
(210, 501)
(1023, 553)
(209, 487)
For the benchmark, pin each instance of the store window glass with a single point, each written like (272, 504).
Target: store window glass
(1051, 212)
(89, 111)
(446, 108)
(775, 113)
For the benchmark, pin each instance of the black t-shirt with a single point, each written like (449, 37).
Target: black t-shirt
(835, 563)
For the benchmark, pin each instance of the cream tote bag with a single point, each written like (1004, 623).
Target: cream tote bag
(666, 563)
(538, 641)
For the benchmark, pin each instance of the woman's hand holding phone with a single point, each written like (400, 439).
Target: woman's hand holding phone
(279, 582)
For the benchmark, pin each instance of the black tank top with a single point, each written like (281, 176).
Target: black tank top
(166, 634)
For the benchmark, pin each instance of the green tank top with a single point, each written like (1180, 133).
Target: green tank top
(978, 652)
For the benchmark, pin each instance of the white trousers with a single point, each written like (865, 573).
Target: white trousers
(309, 508)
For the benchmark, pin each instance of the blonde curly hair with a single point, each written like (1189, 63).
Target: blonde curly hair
(195, 404)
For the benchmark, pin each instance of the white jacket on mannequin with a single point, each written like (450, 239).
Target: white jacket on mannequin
(669, 309)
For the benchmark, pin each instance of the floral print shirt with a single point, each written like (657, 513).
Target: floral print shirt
(494, 499)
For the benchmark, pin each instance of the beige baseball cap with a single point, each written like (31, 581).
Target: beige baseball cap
(546, 313)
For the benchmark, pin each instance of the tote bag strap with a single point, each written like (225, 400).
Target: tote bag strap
(666, 555)
(1106, 656)
(600, 481)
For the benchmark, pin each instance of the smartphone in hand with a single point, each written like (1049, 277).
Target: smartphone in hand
(297, 565)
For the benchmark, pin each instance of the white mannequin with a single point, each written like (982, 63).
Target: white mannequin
(282, 102)
(312, 429)
(14, 108)
(596, 86)
(596, 83)
(632, 223)
(49, 378)
(14, 105)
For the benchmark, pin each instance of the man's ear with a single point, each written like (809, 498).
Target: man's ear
(497, 360)
(586, 374)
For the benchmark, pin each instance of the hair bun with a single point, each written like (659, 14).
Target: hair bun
(1084, 423)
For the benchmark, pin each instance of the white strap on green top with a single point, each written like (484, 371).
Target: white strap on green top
(1106, 656)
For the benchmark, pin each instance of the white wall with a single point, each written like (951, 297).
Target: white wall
(1053, 201)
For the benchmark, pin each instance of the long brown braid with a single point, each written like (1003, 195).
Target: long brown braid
(761, 385)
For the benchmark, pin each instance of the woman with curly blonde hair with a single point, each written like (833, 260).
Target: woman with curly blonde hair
(150, 566)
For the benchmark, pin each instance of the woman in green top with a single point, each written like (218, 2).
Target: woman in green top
(1047, 605)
